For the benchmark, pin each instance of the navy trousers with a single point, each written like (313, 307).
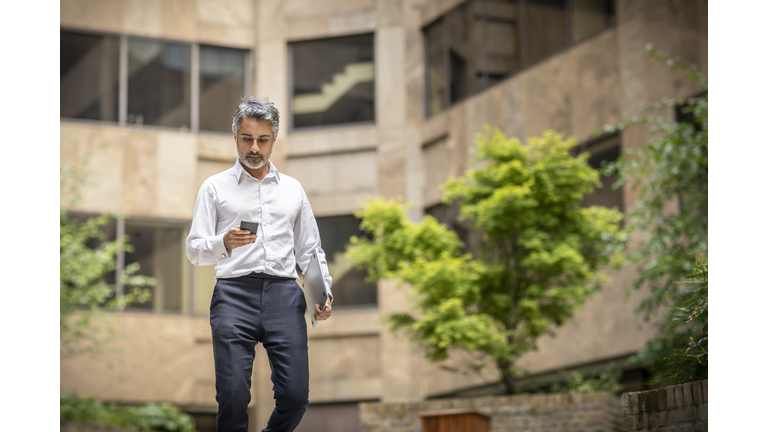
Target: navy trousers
(245, 311)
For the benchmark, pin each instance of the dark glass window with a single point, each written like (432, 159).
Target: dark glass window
(222, 85)
(333, 81)
(436, 74)
(159, 83)
(158, 248)
(547, 28)
(590, 16)
(349, 284)
(601, 152)
(89, 76)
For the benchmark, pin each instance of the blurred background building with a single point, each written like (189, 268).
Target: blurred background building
(378, 97)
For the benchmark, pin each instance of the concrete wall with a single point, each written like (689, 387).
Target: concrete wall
(155, 172)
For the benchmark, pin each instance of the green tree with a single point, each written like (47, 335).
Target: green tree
(671, 169)
(540, 259)
(83, 292)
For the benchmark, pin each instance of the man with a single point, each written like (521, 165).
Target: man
(256, 297)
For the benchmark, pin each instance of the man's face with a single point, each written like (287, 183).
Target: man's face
(254, 142)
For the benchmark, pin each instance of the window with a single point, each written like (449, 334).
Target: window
(88, 71)
(159, 250)
(159, 87)
(602, 151)
(333, 81)
(480, 42)
(349, 284)
(222, 85)
(170, 84)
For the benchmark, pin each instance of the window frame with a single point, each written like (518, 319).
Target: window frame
(289, 57)
(122, 101)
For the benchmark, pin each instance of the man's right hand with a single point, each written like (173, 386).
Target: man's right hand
(236, 237)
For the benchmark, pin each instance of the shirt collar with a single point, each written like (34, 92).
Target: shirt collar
(239, 171)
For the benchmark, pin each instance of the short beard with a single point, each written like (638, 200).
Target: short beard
(244, 161)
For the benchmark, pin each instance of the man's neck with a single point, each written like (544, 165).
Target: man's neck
(257, 173)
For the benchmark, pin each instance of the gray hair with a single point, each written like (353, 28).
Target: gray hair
(259, 109)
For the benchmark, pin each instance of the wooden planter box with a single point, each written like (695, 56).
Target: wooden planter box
(460, 420)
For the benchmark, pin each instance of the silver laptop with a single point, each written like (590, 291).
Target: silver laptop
(315, 291)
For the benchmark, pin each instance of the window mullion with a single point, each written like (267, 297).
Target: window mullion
(195, 90)
(122, 100)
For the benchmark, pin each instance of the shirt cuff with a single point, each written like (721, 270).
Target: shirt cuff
(219, 250)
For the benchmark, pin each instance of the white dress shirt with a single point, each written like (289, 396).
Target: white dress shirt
(287, 228)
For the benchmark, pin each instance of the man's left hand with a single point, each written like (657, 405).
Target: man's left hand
(322, 314)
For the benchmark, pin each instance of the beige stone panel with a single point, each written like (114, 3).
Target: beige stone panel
(161, 358)
(271, 23)
(596, 98)
(458, 373)
(414, 77)
(225, 13)
(235, 37)
(330, 140)
(102, 146)
(216, 147)
(517, 106)
(206, 168)
(603, 329)
(360, 22)
(103, 15)
(336, 173)
(143, 17)
(389, 12)
(392, 164)
(431, 10)
(390, 78)
(414, 180)
(402, 363)
(348, 321)
(140, 174)
(434, 128)
(205, 280)
(548, 91)
(333, 204)
(262, 395)
(314, 8)
(299, 29)
(271, 81)
(343, 368)
(176, 175)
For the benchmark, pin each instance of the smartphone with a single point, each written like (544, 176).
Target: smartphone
(253, 227)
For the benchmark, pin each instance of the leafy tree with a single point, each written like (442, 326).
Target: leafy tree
(672, 168)
(575, 382)
(83, 291)
(539, 262)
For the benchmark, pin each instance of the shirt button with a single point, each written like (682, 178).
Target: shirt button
(223, 255)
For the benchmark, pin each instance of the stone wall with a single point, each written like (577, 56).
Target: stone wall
(587, 412)
(680, 408)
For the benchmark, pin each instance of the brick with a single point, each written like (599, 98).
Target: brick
(700, 426)
(652, 401)
(646, 421)
(633, 403)
(625, 410)
(697, 390)
(688, 394)
(703, 412)
(679, 400)
(704, 390)
(661, 400)
(642, 398)
(677, 417)
(670, 398)
(662, 419)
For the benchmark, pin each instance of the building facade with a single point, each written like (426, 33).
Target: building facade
(377, 98)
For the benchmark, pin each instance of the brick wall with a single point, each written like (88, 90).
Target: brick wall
(680, 408)
(585, 412)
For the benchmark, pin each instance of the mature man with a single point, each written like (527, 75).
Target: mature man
(256, 297)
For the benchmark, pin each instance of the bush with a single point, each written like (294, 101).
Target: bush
(150, 417)
(575, 382)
